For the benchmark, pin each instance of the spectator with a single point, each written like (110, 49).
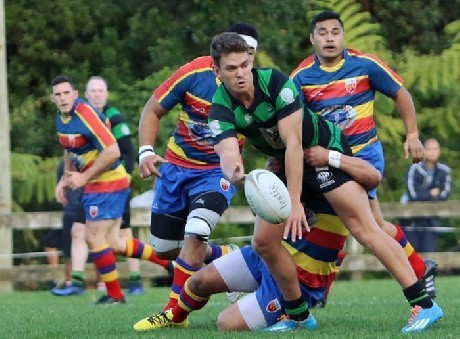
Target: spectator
(428, 180)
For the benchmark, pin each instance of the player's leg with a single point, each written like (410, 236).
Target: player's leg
(357, 216)
(52, 243)
(103, 218)
(267, 244)
(262, 309)
(206, 194)
(229, 273)
(123, 242)
(75, 247)
(425, 270)
(373, 154)
(134, 282)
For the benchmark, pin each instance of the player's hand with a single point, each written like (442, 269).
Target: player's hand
(414, 146)
(296, 223)
(60, 193)
(317, 156)
(238, 176)
(273, 165)
(75, 180)
(147, 167)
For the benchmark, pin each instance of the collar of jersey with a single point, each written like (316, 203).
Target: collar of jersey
(332, 68)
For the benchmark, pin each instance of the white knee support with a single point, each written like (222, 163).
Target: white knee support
(200, 223)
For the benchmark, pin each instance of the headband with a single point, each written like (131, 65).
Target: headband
(250, 41)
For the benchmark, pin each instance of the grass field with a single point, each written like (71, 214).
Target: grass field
(365, 309)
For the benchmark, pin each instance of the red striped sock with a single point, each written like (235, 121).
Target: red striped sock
(182, 271)
(136, 249)
(188, 302)
(415, 260)
(104, 259)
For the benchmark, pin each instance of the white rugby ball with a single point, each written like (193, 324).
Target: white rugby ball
(267, 196)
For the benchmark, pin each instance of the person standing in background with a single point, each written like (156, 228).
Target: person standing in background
(429, 180)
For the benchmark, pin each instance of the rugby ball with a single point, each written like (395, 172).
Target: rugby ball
(267, 196)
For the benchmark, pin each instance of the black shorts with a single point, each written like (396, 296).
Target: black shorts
(53, 239)
(68, 219)
(322, 179)
(126, 218)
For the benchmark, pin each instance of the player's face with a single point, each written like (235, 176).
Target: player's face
(96, 93)
(64, 97)
(235, 72)
(328, 38)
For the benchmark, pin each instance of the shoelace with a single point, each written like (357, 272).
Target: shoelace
(283, 317)
(414, 313)
(159, 319)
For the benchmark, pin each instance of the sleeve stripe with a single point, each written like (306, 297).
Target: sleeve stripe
(91, 120)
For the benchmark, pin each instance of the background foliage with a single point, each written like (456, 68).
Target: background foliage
(137, 44)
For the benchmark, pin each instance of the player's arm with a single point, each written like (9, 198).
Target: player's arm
(149, 127)
(359, 169)
(60, 191)
(290, 129)
(106, 158)
(406, 108)
(127, 152)
(231, 164)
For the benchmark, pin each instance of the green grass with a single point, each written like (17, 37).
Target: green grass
(364, 309)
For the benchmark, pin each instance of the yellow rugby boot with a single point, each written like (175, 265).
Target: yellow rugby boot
(160, 320)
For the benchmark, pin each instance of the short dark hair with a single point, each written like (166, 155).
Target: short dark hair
(245, 29)
(226, 43)
(61, 79)
(323, 16)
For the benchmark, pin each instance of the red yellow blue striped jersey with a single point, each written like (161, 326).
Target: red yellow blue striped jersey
(345, 93)
(317, 253)
(84, 134)
(193, 86)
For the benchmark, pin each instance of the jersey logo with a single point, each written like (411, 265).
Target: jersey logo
(125, 130)
(224, 184)
(215, 127)
(324, 178)
(287, 95)
(93, 211)
(350, 85)
(248, 118)
(72, 140)
(273, 306)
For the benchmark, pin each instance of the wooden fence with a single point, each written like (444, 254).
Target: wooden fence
(354, 262)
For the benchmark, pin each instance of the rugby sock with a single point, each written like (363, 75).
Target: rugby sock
(415, 260)
(104, 259)
(78, 278)
(136, 249)
(216, 252)
(182, 271)
(135, 276)
(416, 295)
(297, 309)
(188, 302)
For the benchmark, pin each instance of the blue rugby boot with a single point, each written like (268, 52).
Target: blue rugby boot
(422, 318)
(285, 325)
(66, 291)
